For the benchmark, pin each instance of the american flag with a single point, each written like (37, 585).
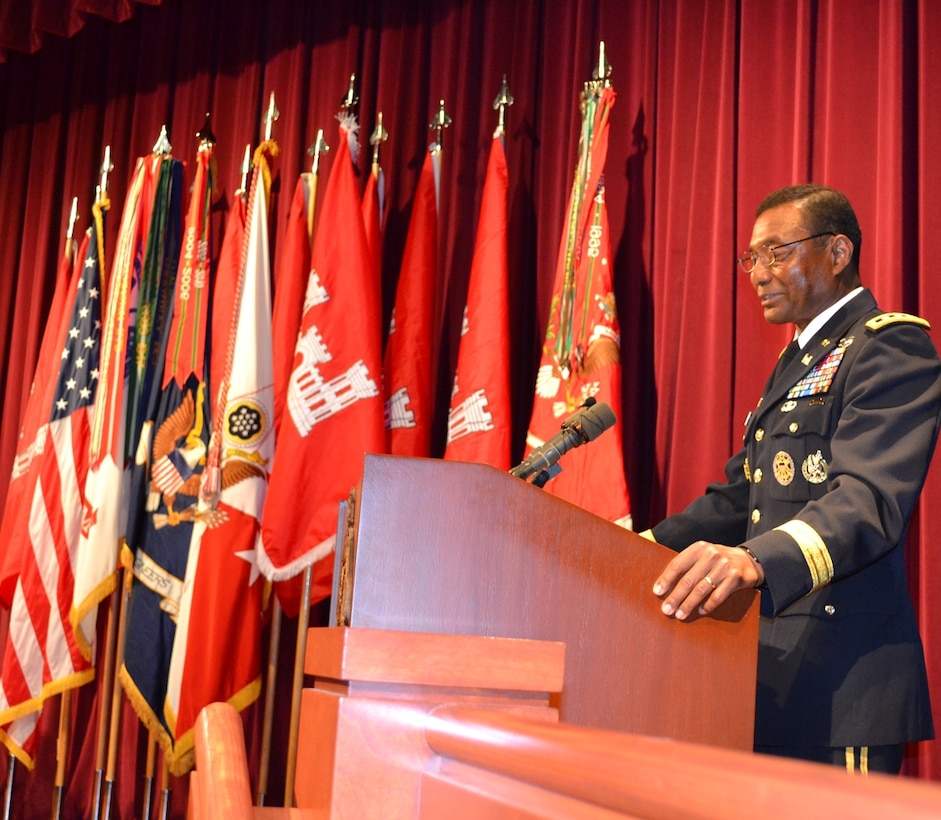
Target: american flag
(78, 373)
(41, 657)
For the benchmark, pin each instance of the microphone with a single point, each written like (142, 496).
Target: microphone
(581, 427)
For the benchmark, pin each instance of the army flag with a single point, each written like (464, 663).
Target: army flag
(171, 452)
(217, 650)
(334, 398)
(581, 355)
(479, 422)
(107, 483)
(42, 658)
(409, 356)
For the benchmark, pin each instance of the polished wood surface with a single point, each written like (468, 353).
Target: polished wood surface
(498, 765)
(410, 747)
(361, 735)
(219, 786)
(395, 657)
(445, 547)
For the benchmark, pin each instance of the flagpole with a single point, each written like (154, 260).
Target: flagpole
(116, 692)
(8, 792)
(274, 641)
(274, 632)
(108, 651)
(62, 749)
(104, 694)
(165, 790)
(109, 717)
(303, 619)
(65, 701)
(149, 776)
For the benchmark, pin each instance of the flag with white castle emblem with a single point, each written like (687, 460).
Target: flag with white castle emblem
(409, 365)
(479, 423)
(333, 410)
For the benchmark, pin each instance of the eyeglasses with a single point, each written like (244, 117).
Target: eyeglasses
(750, 259)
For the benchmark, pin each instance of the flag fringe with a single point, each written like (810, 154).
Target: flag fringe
(91, 602)
(17, 751)
(298, 565)
(182, 761)
(49, 690)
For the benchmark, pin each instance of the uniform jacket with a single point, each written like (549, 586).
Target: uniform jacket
(834, 458)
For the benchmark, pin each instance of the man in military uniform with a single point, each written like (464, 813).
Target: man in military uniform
(817, 503)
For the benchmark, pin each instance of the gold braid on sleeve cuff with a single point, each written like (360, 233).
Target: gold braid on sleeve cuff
(814, 550)
(648, 534)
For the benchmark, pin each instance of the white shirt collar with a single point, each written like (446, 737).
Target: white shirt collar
(821, 318)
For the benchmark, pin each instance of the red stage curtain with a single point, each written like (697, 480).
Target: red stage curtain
(719, 102)
(24, 23)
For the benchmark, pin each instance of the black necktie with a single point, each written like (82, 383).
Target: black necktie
(785, 359)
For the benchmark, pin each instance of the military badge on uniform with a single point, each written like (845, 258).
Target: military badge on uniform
(815, 468)
(789, 405)
(783, 466)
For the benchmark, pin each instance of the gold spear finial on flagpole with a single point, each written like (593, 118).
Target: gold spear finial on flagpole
(106, 169)
(270, 116)
(439, 123)
(73, 216)
(245, 171)
(205, 136)
(350, 99)
(162, 145)
(601, 76)
(379, 136)
(504, 99)
(318, 147)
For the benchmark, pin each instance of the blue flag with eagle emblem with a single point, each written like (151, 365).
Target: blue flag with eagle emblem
(168, 464)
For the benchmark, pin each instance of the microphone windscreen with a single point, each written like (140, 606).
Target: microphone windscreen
(596, 420)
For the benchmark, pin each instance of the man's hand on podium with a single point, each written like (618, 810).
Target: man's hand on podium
(703, 576)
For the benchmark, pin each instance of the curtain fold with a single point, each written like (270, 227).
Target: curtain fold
(719, 102)
(24, 23)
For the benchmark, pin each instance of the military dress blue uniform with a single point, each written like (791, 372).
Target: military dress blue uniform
(834, 459)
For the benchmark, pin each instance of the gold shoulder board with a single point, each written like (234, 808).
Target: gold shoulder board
(886, 319)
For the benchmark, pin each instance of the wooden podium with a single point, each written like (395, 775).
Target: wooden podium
(453, 548)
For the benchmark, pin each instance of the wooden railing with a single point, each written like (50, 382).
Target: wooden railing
(385, 739)
(571, 771)
(485, 764)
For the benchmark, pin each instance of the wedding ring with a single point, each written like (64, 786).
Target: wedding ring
(709, 581)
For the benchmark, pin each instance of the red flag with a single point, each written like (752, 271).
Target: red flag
(34, 425)
(373, 214)
(223, 592)
(409, 359)
(581, 357)
(290, 282)
(334, 401)
(42, 657)
(479, 419)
